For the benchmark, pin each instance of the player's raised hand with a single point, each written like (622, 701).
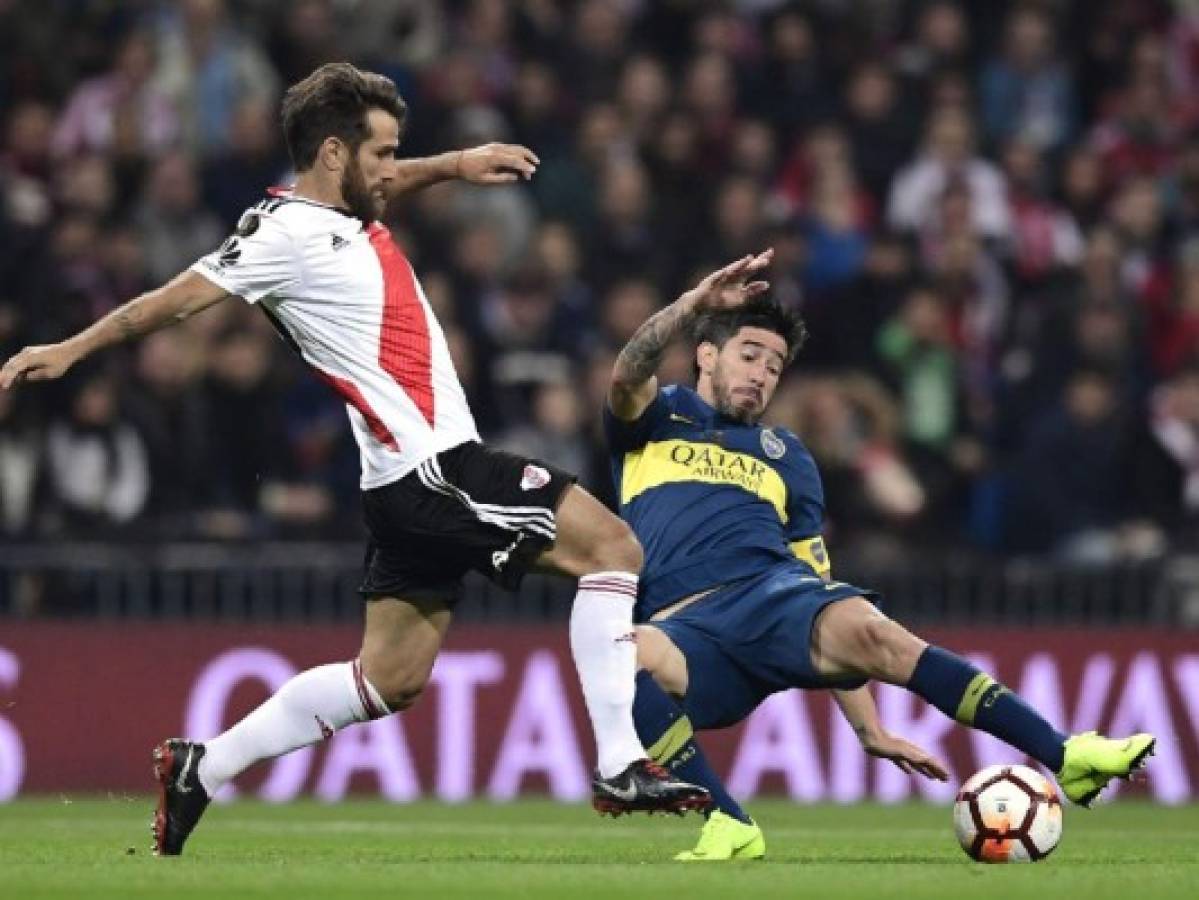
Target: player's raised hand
(732, 285)
(911, 759)
(42, 363)
(497, 163)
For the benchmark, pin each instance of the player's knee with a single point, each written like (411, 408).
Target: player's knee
(885, 648)
(399, 686)
(651, 649)
(658, 655)
(616, 548)
(403, 693)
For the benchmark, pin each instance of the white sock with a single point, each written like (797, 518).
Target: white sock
(308, 708)
(603, 643)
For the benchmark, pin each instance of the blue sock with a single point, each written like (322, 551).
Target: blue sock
(668, 738)
(974, 698)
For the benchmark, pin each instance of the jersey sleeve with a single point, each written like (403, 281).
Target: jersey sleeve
(259, 259)
(805, 510)
(625, 436)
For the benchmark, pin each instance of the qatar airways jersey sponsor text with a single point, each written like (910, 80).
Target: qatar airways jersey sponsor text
(345, 298)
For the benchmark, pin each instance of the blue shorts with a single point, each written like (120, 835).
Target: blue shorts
(747, 640)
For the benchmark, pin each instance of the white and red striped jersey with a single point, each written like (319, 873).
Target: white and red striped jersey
(346, 299)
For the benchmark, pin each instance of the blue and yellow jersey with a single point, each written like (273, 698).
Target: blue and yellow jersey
(712, 500)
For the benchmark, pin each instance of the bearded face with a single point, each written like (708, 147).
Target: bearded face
(743, 404)
(364, 203)
(739, 378)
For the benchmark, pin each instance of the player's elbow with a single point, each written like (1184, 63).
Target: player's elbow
(628, 399)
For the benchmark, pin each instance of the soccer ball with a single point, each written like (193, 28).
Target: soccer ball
(1008, 814)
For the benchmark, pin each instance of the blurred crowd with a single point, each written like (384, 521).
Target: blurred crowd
(988, 213)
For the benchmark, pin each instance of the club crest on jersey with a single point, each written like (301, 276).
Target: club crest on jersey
(339, 242)
(534, 477)
(772, 444)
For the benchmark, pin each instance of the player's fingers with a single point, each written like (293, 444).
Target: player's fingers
(718, 278)
(903, 764)
(519, 150)
(12, 372)
(937, 769)
(527, 155)
(515, 160)
(926, 765)
(498, 177)
(756, 287)
(733, 270)
(762, 260)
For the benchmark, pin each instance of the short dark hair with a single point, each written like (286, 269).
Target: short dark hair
(764, 312)
(333, 102)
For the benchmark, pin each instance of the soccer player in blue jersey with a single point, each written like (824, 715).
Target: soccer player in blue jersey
(736, 597)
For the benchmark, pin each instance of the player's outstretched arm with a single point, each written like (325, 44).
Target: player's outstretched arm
(183, 296)
(485, 164)
(634, 385)
(859, 710)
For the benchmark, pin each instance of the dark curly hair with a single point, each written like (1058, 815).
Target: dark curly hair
(717, 326)
(333, 102)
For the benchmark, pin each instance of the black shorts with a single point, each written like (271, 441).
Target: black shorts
(469, 507)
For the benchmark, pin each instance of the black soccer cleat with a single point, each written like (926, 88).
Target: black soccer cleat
(181, 797)
(646, 786)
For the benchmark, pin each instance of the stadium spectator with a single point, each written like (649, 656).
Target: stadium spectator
(96, 463)
(851, 427)
(121, 110)
(21, 465)
(1026, 92)
(176, 227)
(232, 177)
(1034, 166)
(1069, 496)
(880, 130)
(948, 159)
(244, 399)
(1165, 468)
(209, 69)
(166, 401)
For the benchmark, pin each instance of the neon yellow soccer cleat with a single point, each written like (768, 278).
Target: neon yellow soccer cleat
(1091, 761)
(724, 838)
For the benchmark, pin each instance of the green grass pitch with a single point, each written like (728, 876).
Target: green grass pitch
(76, 847)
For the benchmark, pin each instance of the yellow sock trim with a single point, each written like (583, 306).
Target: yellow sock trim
(671, 741)
(978, 687)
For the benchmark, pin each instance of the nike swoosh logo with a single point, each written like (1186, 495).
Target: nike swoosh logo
(627, 794)
(180, 786)
(675, 417)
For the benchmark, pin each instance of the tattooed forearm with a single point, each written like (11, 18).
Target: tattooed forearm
(133, 320)
(183, 296)
(639, 359)
(126, 320)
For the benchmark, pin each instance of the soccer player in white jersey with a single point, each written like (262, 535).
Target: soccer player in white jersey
(316, 260)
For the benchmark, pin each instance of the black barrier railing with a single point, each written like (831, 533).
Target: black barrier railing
(318, 582)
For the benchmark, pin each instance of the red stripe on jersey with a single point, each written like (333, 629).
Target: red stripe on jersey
(404, 347)
(351, 395)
